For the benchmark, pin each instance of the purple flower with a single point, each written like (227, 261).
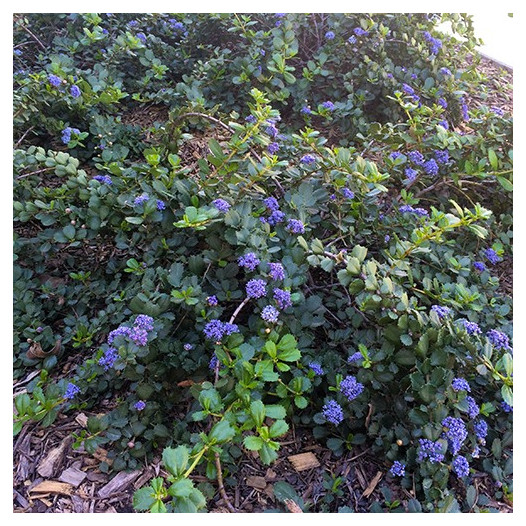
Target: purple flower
(499, 340)
(416, 157)
(213, 363)
(430, 167)
(270, 314)
(461, 466)
(328, 105)
(397, 469)
(411, 174)
(273, 148)
(442, 156)
(352, 39)
(473, 408)
(109, 358)
(276, 217)
(133, 23)
(444, 125)
(161, 205)
(271, 129)
(306, 110)
(250, 119)
(394, 155)
(139, 200)
(141, 37)
(230, 328)
(271, 203)
(497, 111)
(387, 238)
(479, 265)
(317, 368)
(441, 312)
(445, 71)
(119, 331)
(492, 256)
(464, 108)
(139, 336)
(329, 35)
(481, 430)
(256, 288)
(188, 346)
(430, 450)
(249, 261)
(408, 89)
(506, 407)
(351, 388)
(333, 412)
(140, 405)
(212, 301)
(54, 80)
(308, 159)
(277, 272)
(295, 226)
(71, 391)
(216, 329)
(455, 431)
(66, 134)
(282, 298)
(358, 31)
(347, 193)
(356, 357)
(471, 327)
(221, 205)
(75, 91)
(105, 179)
(460, 384)
(442, 102)
(144, 322)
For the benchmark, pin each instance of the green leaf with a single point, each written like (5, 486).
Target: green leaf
(493, 159)
(22, 403)
(267, 454)
(275, 411)
(175, 460)
(253, 443)
(181, 488)
(143, 499)
(301, 402)
(505, 183)
(257, 410)
(284, 491)
(278, 428)
(507, 394)
(222, 432)
(215, 148)
(135, 220)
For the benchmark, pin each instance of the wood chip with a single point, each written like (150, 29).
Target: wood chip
(50, 464)
(256, 482)
(102, 455)
(72, 476)
(304, 461)
(51, 486)
(79, 505)
(81, 419)
(292, 506)
(118, 483)
(372, 485)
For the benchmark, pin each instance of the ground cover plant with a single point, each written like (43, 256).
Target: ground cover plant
(228, 227)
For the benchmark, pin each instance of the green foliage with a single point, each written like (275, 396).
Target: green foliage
(124, 255)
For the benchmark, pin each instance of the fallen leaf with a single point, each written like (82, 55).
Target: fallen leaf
(372, 485)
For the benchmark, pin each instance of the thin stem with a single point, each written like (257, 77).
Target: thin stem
(221, 486)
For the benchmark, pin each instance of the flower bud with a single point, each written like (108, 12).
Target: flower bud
(399, 442)
(131, 444)
(73, 222)
(68, 210)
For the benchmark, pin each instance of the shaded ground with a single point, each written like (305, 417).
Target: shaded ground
(50, 476)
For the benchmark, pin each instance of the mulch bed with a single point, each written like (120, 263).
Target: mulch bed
(50, 476)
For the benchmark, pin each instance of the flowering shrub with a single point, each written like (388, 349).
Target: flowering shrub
(344, 283)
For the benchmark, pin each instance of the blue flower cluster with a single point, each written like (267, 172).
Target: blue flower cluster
(347, 193)
(430, 167)
(138, 334)
(499, 340)
(358, 31)
(256, 288)
(473, 408)
(105, 179)
(351, 388)
(471, 327)
(410, 173)
(140, 405)
(460, 384)
(270, 314)
(249, 261)
(329, 35)
(492, 256)
(109, 358)
(273, 148)
(282, 298)
(54, 80)
(460, 466)
(441, 156)
(277, 272)
(276, 216)
(434, 43)
(356, 357)
(141, 199)
(216, 329)
(479, 265)
(506, 407)
(328, 105)
(430, 450)
(212, 301)
(75, 91)
(408, 209)
(440, 311)
(317, 368)
(71, 391)
(295, 226)
(308, 159)
(333, 412)
(416, 157)
(442, 102)
(161, 205)
(481, 430)
(213, 363)
(397, 469)
(456, 433)
(66, 134)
